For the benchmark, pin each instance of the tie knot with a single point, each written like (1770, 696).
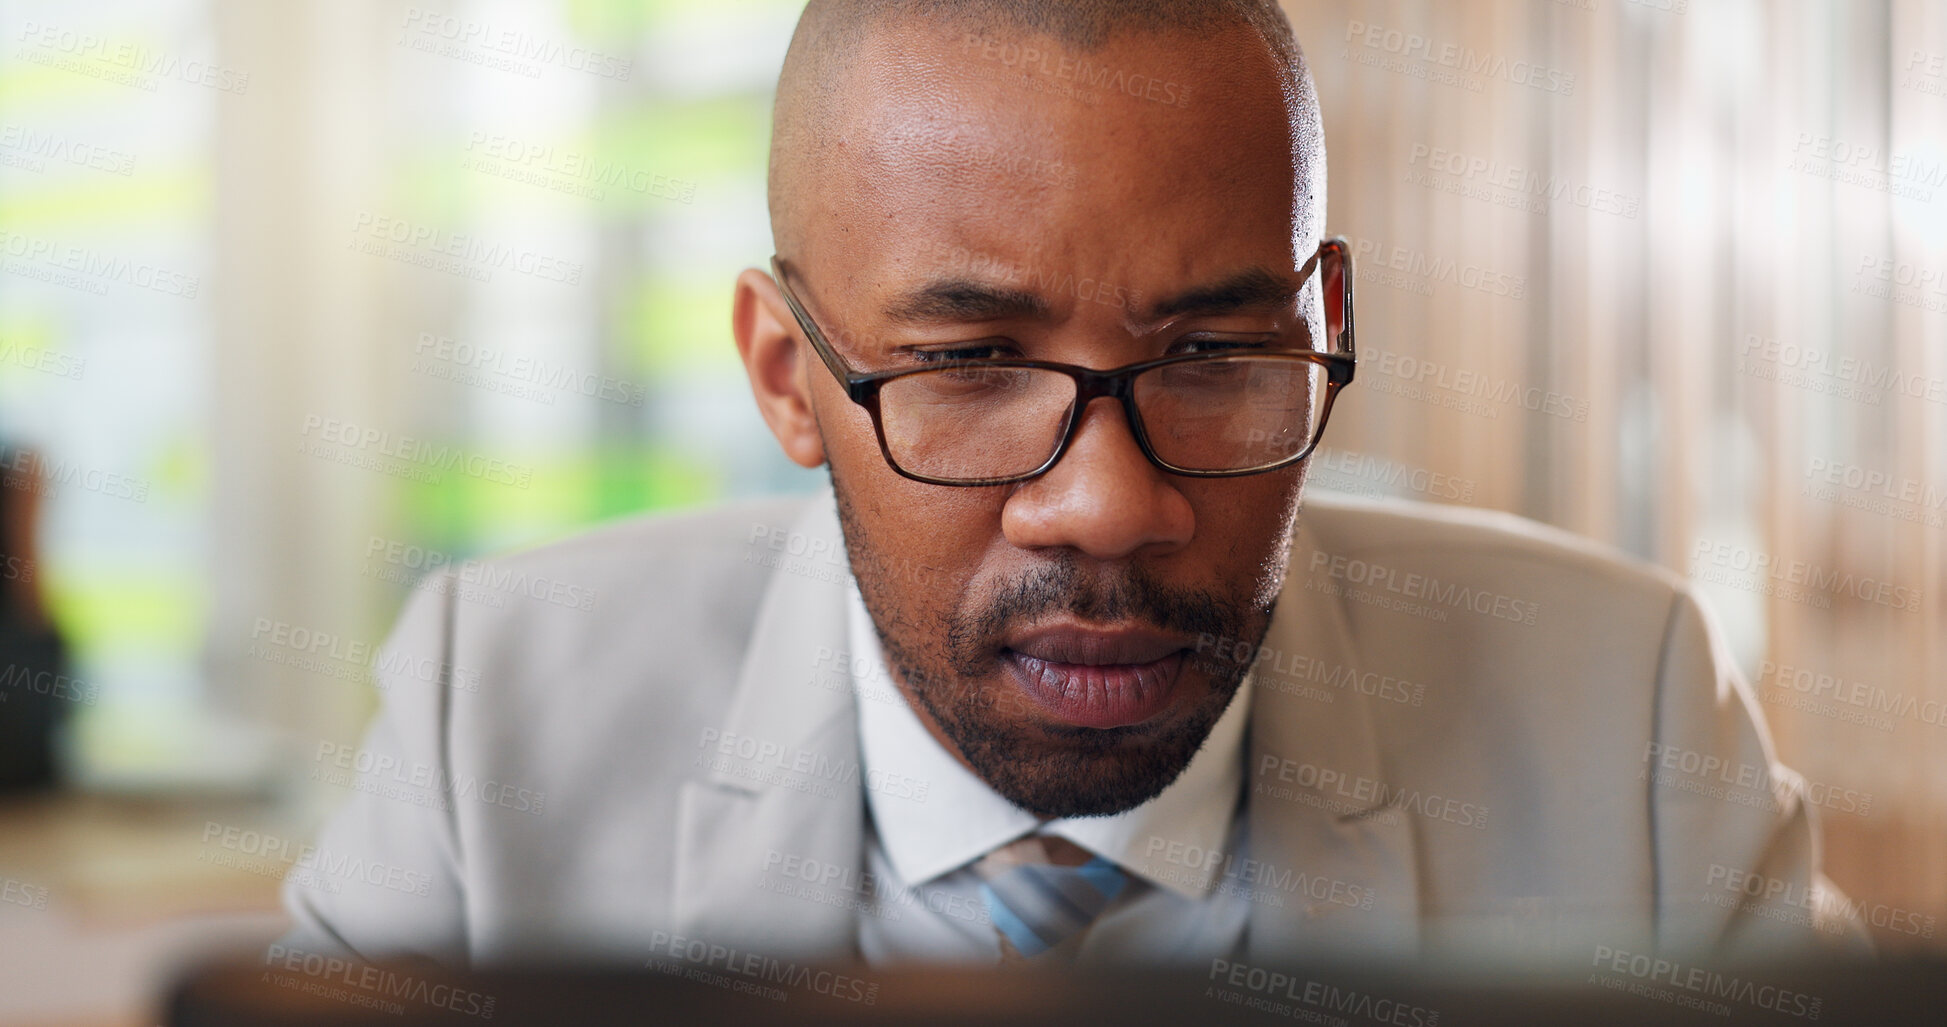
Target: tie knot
(1041, 891)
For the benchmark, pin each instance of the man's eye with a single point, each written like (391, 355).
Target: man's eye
(957, 354)
(1200, 345)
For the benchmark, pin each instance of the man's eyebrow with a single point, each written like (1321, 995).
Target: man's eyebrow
(1255, 286)
(961, 299)
(956, 300)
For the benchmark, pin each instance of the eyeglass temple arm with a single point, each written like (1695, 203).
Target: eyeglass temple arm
(810, 328)
(1345, 346)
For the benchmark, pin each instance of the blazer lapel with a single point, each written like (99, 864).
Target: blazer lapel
(1317, 793)
(777, 793)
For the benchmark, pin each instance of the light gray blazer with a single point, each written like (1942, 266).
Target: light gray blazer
(1494, 737)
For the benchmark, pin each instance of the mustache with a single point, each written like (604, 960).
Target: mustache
(1130, 593)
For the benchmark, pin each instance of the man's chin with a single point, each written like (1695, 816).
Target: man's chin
(1053, 794)
(1057, 769)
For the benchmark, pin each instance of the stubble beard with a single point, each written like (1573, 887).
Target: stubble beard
(951, 666)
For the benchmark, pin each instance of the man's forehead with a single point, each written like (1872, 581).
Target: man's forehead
(933, 147)
(915, 83)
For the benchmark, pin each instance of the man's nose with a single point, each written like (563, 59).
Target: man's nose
(1103, 498)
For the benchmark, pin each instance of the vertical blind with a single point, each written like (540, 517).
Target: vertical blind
(1673, 274)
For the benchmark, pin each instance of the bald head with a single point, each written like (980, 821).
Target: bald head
(1047, 44)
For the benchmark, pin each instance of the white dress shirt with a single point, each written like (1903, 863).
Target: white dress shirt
(1183, 903)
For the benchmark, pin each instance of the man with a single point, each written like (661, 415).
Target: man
(1053, 304)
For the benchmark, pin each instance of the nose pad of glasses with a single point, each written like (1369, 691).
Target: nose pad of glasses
(1121, 413)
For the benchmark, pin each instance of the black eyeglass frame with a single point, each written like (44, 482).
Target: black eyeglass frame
(862, 387)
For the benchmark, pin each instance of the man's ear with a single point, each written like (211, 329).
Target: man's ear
(776, 366)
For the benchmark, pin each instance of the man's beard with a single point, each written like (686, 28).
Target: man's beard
(1090, 771)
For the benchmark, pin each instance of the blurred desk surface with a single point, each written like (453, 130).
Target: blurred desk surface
(320, 992)
(103, 900)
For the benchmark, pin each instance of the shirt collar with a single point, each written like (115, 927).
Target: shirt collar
(945, 817)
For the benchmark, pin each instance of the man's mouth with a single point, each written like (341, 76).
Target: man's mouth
(1096, 677)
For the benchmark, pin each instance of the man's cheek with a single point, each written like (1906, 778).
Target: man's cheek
(1259, 532)
(924, 546)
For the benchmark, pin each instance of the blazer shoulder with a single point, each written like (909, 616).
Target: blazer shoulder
(652, 558)
(672, 590)
(1481, 544)
(707, 532)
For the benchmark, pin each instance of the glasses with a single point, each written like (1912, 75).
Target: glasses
(1214, 414)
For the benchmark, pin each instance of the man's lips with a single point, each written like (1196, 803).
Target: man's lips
(1076, 644)
(1094, 677)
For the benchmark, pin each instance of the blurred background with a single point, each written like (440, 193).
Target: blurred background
(301, 299)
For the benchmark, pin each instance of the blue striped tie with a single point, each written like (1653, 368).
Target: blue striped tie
(1036, 903)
